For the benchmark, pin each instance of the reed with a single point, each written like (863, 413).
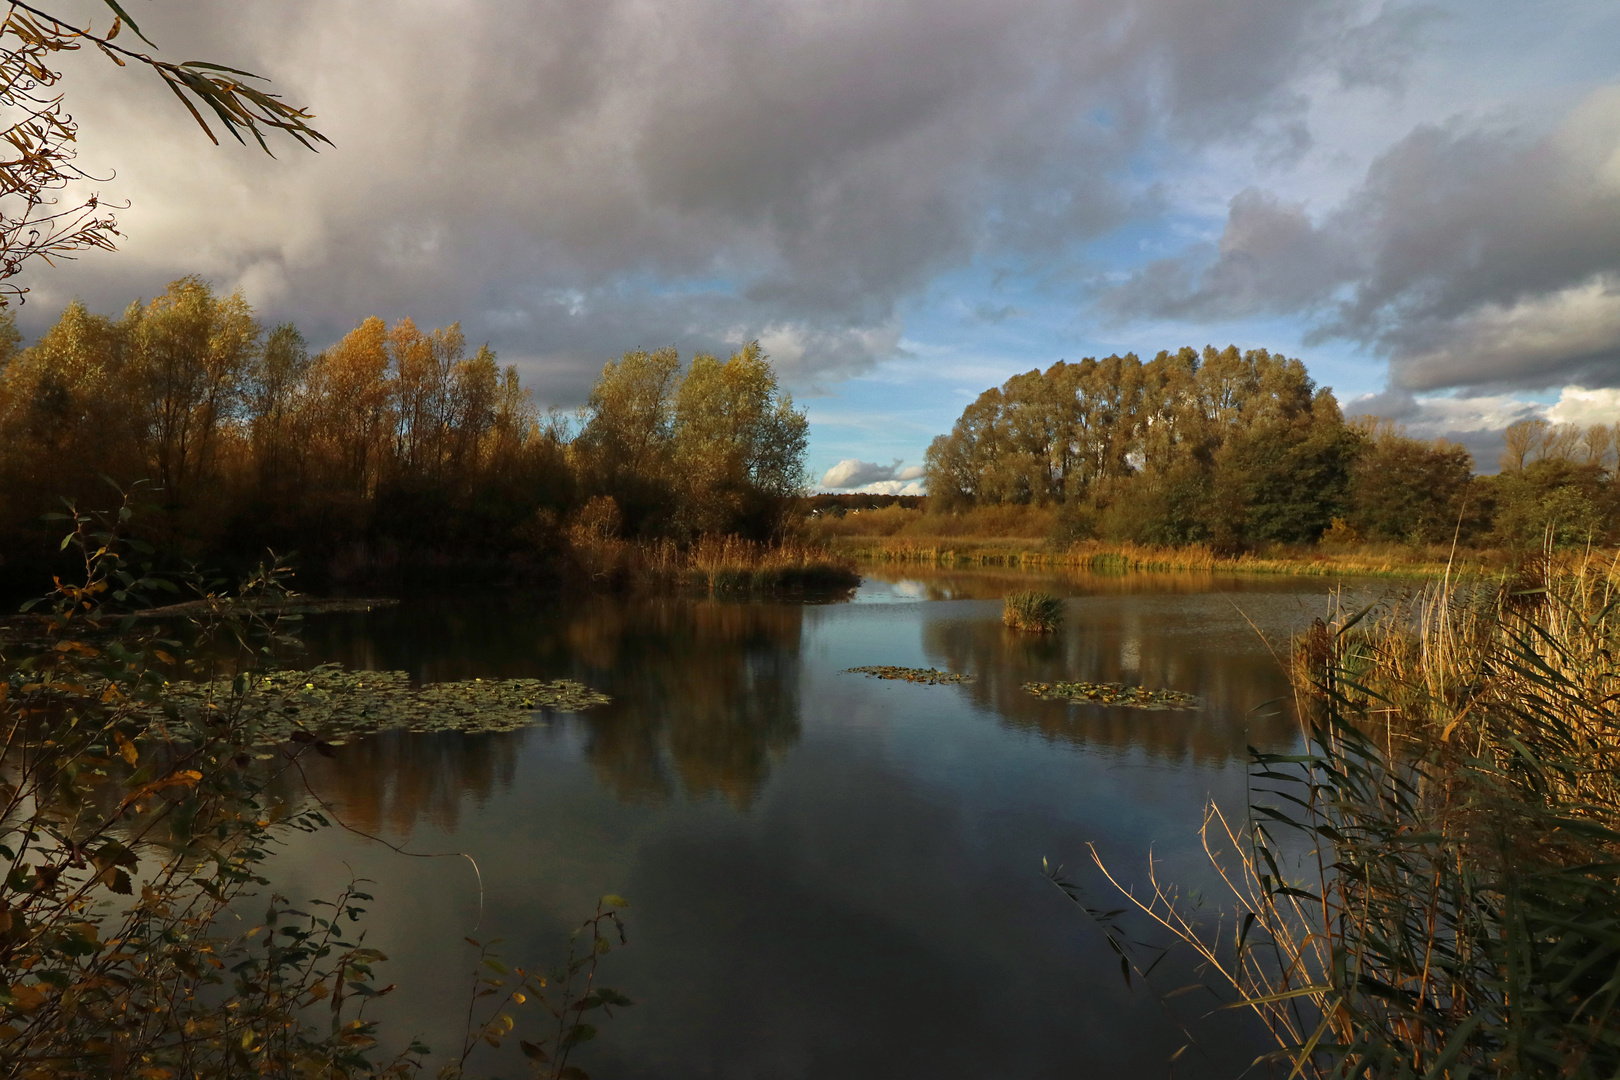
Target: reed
(733, 565)
(1029, 609)
(1437, 891)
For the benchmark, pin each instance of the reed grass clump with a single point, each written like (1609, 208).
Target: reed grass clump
(1432, 888)
(730, 565)
(1033, 610)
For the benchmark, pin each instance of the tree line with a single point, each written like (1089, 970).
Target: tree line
(1242, 449)
(395, 438)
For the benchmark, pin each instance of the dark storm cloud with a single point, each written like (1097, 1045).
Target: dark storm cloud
(575, 179)
(1472, 257)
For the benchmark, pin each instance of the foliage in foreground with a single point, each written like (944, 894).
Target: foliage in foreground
(130, 835)
(1438, 891)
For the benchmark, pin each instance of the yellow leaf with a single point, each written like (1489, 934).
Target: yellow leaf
(126, 748)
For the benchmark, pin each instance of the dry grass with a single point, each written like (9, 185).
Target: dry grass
(715, 564)
(1128, 558)
(1030, 609)
(1005, 522)
(1453, 909)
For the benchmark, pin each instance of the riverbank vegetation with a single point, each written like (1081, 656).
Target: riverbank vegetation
(1228, 459)
(137, 815)
(1430, 889)
(395, 450)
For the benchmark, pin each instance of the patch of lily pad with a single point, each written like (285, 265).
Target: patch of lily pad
(930, 676)
(336, 704)
(1109, 693)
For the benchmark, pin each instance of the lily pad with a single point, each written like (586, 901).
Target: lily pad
(336, 704)
(1109, 693)
(930, 676)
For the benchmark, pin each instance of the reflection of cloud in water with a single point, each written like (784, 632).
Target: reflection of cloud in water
(896, 591)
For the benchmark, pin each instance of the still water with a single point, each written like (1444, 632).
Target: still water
(830, 875)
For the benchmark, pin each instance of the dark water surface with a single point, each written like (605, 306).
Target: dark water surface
(830, 875)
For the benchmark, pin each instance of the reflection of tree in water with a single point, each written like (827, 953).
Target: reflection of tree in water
(387, 782)
(1232, 685)
(704, 692)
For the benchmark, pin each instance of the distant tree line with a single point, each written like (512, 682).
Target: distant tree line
(1242, 449)
(394, 438)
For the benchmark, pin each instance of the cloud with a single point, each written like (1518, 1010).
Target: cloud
(854, 473)
(892, 487)
(1578, 405)
(572, 180)
(1471, 255)
(1477, 422)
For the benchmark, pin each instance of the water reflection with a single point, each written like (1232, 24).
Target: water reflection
(902, 582)
(396, 780)
(706, 693)
(832, 876)
(1109, 641)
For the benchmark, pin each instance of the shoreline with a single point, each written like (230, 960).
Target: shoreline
(1016, 553)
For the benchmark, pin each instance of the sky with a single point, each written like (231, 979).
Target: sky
(905, 201)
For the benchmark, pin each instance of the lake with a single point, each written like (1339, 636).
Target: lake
(830, 875)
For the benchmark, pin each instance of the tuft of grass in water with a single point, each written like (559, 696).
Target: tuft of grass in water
(1031, 609)
(1433, 888)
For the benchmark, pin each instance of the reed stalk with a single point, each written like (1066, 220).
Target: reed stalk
(1432, 887)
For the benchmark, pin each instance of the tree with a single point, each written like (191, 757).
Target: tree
(1407, 490)
(189, 354)
(739, 445)
(35, 222)
(271, 392)
(625, 448)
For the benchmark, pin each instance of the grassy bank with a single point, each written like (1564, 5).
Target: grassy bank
(1122, 558)
(1030, 537)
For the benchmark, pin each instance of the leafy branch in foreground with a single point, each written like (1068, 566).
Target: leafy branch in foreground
(40, 136)
(128, 838)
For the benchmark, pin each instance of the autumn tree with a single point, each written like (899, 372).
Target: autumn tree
(273, 394)
(189, 355)
(738, 446)
(625, 448)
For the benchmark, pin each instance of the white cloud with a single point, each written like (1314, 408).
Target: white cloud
(853, 473)
(892, 487)
(1578, 405)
